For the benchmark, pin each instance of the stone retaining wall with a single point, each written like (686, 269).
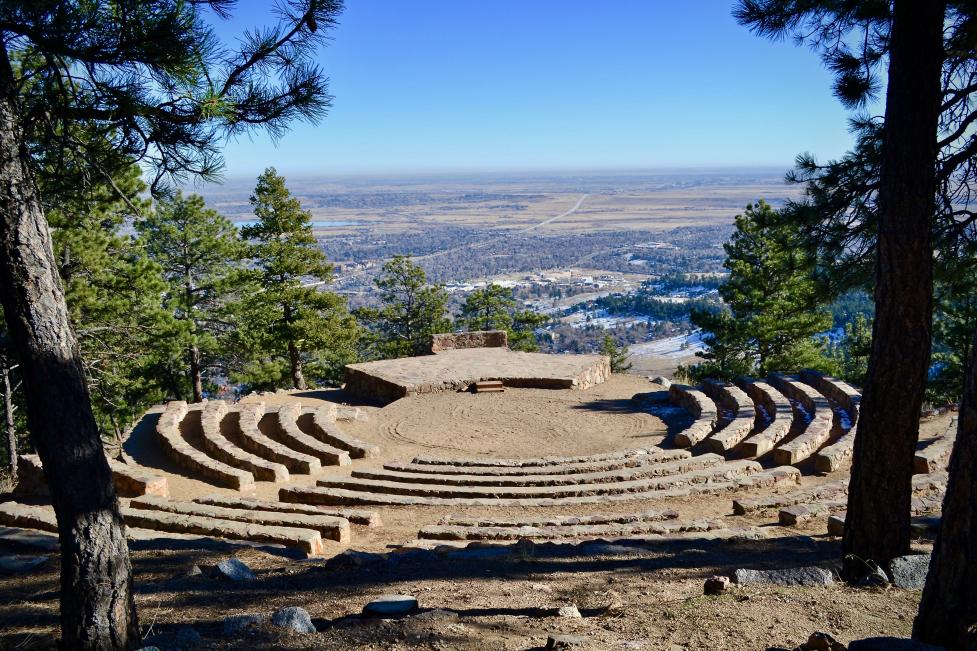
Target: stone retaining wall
(477, 339)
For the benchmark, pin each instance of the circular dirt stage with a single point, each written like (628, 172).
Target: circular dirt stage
(519, 422)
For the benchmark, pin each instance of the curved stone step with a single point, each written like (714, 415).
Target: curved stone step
(328, 526)
(448, 532)
(701, 407)
(251, 438)
(355, 516)
(307, 540)
(829, 490)
(289, 433)
(322, 425)
(838, 455)
(13, 514)
(720, 472)
(653, 515)
(818, 429)
(652, 470)
(774, 409)
(786, 475)
(935, 456)
(129, 480)
(655, 455)
(192, 459)
(218, 446)
(736, 401)
(531, 462)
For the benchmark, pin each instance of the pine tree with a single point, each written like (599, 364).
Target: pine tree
(290, 328)
(620, 357)
(919, 46)
(494, 308)
(199, 252)
(150, 83)
(112, 290)
(772, 303)
(411, 311)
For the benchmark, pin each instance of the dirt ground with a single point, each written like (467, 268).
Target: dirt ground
(633, 595)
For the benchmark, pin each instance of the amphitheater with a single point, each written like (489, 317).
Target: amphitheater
(494, 459)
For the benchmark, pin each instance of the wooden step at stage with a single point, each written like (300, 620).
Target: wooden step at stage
(488, 386)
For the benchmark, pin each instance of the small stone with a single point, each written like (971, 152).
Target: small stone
(148, 648)
(570, 612)
(565, 642)
(390, 605)
(804, 576)
(821, 641)
(195, 571)
(909, 572)
(715, 585)
(185, 636)
(294, 619)
(662, 381)
(233, 570)
(237, 623)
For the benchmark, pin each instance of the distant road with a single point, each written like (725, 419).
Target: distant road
(473, 245)
(560, 216)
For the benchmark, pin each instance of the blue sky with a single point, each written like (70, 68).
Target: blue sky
(460, 85)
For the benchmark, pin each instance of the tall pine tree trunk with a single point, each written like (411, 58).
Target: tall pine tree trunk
(97, 608)
(877, 524)
(949, 605)
(298, 378)
(10, 424)
(196, 380)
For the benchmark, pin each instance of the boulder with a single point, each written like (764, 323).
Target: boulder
(820, 641)
(570, 612)
(565, 642)
(715, 585)
(390, 605)
(294, 619)
(233, 570)
(791, 576)
(909, 572)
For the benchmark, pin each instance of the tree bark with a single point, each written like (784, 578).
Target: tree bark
(298, 378)
(196, 381)
(948, 611)
(10, 424)
(97, 607)
(877, 525)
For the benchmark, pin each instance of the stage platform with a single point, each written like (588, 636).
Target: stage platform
(456, 370)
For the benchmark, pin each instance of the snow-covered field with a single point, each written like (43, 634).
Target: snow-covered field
(671, 347)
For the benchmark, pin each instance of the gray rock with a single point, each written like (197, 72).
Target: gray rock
(565, 642)
(571, 612)
(891, 644)
(233, 570)
(185, 636)
(294, 619)
(148, 648)
(662, 380)
(237, 623)
(195, 571)
(909, 572)
(390, 605)
(805, 576)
